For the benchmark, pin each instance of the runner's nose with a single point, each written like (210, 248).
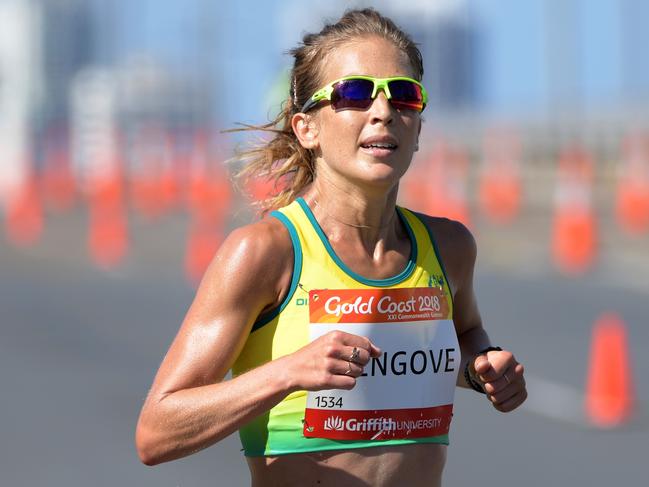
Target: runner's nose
(381, 109)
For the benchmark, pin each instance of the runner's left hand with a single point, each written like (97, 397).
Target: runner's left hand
(502, 379)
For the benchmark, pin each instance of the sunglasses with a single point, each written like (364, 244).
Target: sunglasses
(359, 92)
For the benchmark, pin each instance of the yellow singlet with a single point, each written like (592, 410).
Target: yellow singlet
(287, 329)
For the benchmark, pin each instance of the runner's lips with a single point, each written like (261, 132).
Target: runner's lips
(380, 142)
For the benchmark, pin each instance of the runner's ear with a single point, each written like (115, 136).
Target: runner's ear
(306, 130)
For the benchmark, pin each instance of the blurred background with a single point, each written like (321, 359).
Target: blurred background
(115, 193)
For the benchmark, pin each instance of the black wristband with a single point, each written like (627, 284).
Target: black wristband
(490, 349)
(467, 375)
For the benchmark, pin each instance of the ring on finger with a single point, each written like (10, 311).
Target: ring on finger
(349, 368)
(507, 379)
(355, 354)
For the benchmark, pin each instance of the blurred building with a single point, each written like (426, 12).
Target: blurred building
(68, 44)
(446, 39)
(20, 83)
(196, 64)
(112, 68)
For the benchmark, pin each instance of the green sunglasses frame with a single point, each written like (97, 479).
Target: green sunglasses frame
(325, 92)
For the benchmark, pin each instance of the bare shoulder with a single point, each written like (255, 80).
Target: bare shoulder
(257, 242)
(248, 275)
(451, 235)
(256, 257)
(456, 244)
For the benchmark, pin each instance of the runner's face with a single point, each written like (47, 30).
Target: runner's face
(346, 138)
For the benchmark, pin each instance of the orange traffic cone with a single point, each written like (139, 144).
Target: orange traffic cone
(500, 177)
(58, 184)
(446, 192)
(209, 199)
(143, 194)
(181, 165)
(202, 242)
(574, 227)
(199, 194)
(108, 231)
(108, 238)
(153, 185)
(143, 172)
(222, 191)
(209, 195)
(632, 199)
(169, 186)
(24, 219)
(458, 171)
(609, 391)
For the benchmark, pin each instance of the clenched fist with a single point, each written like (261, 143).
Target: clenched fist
(501, 377)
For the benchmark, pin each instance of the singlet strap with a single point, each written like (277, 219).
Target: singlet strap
(297, 271)
(422, 220)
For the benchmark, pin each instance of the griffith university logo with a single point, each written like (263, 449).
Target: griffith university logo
(333, 423)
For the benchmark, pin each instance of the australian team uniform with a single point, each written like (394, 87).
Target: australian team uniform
(404, 396)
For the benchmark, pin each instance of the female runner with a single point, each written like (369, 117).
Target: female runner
(347, 321)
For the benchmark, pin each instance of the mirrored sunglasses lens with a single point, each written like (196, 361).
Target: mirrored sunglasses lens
(352, 93)
(406, 95)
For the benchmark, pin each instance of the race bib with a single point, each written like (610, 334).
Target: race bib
(408, 391)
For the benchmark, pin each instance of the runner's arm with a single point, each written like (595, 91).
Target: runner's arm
(472, 337)
(190, 406)
(498, 372)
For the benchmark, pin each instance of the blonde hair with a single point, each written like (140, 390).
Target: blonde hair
(282, 160)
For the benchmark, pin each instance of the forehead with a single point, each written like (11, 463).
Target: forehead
(371, 56)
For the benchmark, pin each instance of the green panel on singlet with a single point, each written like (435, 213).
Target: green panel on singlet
(285, 422)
